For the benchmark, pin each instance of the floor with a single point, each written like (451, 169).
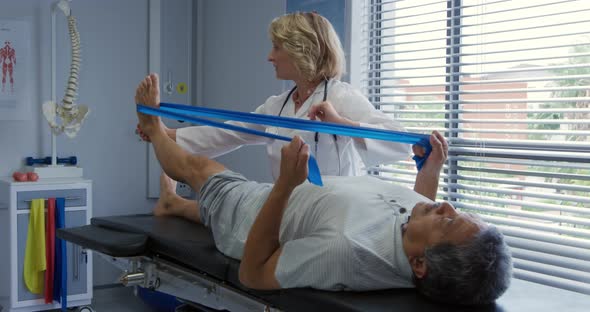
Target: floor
(117, 298)
(529, 297)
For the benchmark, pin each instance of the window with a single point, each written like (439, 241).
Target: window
(508, 82)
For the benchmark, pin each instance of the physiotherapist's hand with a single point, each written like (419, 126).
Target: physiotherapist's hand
(142, 135)
(325, 111)
(146, 138)
(294, 170)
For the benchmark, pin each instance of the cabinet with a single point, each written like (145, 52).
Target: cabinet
(15, 198)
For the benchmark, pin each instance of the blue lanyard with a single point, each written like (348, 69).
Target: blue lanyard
(184, 112)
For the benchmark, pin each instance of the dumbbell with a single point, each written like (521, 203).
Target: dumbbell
(72, 160)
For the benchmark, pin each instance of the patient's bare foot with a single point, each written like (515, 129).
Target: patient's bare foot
(148, 93)
(169, 202)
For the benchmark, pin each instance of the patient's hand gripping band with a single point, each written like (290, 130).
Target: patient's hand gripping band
(184, 113)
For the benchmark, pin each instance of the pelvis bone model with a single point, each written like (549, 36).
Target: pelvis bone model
(70, 114)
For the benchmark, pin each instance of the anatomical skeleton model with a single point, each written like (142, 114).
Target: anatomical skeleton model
(8, 61)
(71, 114)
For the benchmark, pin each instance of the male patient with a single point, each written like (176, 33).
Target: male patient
(354, 233)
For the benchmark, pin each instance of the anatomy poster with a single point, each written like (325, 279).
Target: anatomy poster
(15, 63)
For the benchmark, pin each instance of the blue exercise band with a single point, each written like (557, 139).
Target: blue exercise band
(182, 112)
(309, 125)
(313, 175)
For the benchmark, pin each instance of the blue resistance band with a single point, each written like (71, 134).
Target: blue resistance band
(183, 112)
(60, 281)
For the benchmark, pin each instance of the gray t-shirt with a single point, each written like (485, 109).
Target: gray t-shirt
(330, 240)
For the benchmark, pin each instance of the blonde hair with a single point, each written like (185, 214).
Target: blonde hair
(311, 41)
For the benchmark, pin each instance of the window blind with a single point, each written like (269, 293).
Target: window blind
(508, 83)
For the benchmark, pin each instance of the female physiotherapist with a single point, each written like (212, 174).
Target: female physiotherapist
(306, 50)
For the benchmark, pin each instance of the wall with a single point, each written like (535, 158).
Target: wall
(236, 75)
(19, 139)
(171, 54)
(114, 60)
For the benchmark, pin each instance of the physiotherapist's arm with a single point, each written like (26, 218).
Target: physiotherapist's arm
(377, 151)
(212, 142)
(356, 110)
(262, 249)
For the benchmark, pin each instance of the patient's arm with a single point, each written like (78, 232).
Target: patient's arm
(427, 178)
(262, 249)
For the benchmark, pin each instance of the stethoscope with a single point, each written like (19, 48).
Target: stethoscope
(317, 135)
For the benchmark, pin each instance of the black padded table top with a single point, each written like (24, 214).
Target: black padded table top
(191, 245)
(183, 241)
(107, 241)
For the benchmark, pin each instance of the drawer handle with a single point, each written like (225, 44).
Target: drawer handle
(76, 254)
(67, 198)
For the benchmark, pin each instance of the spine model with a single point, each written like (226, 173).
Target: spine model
(71, 114)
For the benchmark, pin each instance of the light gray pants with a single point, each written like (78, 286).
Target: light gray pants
(229, 204)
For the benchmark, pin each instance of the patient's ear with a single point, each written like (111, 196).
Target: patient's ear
(418, 265)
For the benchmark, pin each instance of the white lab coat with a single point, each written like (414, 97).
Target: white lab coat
(343, 156)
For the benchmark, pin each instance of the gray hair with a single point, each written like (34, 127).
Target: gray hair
(475, 272)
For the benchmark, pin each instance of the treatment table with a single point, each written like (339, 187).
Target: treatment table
(177, 257)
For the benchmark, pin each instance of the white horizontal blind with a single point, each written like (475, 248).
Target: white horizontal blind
(508, 82)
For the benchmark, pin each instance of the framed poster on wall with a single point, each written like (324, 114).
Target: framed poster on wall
(15, 65)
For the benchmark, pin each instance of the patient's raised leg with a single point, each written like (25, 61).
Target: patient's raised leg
(177, 163)
(171, 204)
